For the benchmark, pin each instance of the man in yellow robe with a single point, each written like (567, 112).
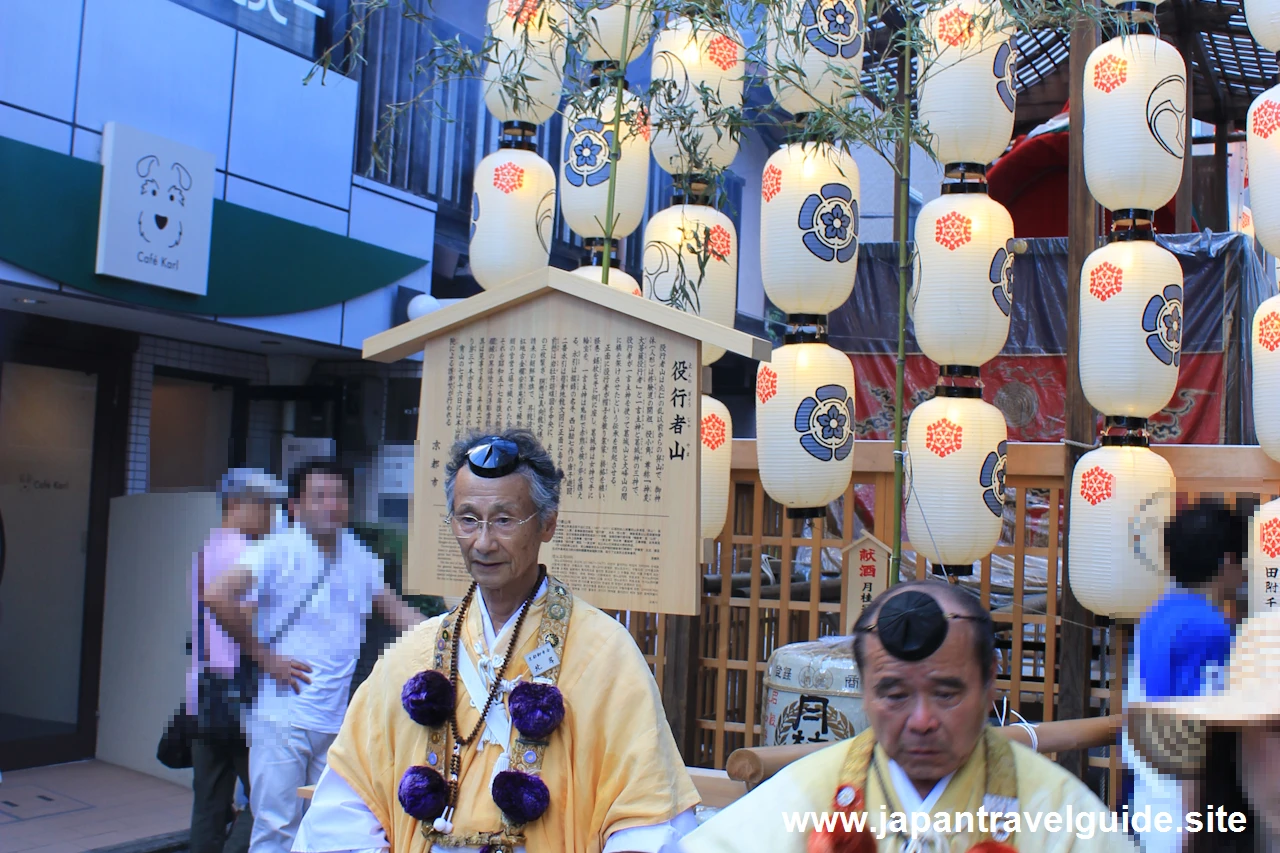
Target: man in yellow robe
(926, 654)
(574, 752)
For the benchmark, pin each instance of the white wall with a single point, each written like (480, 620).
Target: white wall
(281, 146)
(146, 618)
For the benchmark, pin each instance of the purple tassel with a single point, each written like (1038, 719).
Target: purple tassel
(536, 709)
(521, 796)
(428, 698)
(423, 793)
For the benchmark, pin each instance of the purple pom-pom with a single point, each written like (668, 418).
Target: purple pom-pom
(521, 796)
(428, 698)
(536, 709)
(423, 793)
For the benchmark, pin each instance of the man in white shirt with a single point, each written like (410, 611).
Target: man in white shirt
(296, 603)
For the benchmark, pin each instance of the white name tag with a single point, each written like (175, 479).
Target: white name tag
(542, 659)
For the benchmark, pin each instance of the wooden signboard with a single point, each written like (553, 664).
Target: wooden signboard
(610, 384)
(868, 574)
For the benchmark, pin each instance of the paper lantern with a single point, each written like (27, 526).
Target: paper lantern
(824, 40)
(1266, 375)
(1263, 564)
(1131, 320)
(809, 227)
(605, 21)
(512, 211)
(716, 432)
(1135, 109)
(585, 168)
(968, 93)
(1263, 17)
(964, 289)
(1263, 150)
(423, 303)
(804, 425)
(691, 263)
(618, 279)
(1121, 499)
(956, 447)
(523, 81)
(686, 138)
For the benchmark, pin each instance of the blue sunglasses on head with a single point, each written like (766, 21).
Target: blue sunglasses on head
(493, 458)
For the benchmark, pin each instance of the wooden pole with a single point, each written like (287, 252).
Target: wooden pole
(1219, 220)
(1075, 648)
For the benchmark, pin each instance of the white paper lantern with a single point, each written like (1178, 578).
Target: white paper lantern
(1263, 564)
(804, 424)
(824, 40)
(1131, 320)
(955, 503)
(1135, 108)
(422, 304)
(618, 279)
(1266, 375)
(968, 94)
(686, 138)
(964, 286)
(512, 211)
(809, 227)
(716, 432)
(527, 48)
(1121, 499)
(1263, 17)
(605, 20)
(1263, 150)
(691, 263)
(585, 168)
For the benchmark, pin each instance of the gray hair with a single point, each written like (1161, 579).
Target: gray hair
(535, 466)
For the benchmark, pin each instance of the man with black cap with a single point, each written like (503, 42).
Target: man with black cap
(928, 774)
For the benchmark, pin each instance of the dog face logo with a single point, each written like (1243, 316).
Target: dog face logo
(160, 219)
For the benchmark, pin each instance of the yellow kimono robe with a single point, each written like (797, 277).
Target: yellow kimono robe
(755, 822)
(611, 765)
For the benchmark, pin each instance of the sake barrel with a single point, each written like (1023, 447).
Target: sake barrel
(812, 694)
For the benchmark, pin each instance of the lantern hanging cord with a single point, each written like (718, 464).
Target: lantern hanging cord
(1080, 444)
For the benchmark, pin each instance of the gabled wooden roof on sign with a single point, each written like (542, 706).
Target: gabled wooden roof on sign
(408, 338)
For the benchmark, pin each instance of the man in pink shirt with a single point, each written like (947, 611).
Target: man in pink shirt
(219, 753)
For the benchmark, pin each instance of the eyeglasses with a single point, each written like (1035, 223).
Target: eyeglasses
(503, 525)
(493, 458)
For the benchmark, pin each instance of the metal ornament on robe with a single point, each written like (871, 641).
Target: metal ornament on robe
(1135, 107)
(1131, 320)
(512, 213)
(715, 429)
(804, 424)
(618, 279)
(605, 20)
(1264, 559)
(1263, 17)
(824, 40)
(1121, 499)
(968, 94)
(955, 506)
(963, 289)
(528, 57)
(1263, 150)
(809, 227)
(585, 167)
(691, 263)
(686, 137)
(1265, 339)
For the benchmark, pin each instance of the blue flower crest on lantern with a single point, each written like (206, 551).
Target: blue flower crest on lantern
(829, 223)
(586, 153)
(1001, 275)
(992, 479)
(475, 215)
(1004, 68)
(824, 423)
(834, 27)
(1163, 319)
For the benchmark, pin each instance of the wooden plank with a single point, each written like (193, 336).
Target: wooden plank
(715, 787)
(1051, 610)
(1019, 622)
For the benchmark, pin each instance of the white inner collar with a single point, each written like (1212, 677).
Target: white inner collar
(907, 794)
(492, 637)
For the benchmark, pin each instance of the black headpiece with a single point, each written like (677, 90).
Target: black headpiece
(493, 458)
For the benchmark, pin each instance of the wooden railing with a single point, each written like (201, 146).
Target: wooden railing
(746, 618)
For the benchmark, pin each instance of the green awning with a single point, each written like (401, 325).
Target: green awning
(259, 265)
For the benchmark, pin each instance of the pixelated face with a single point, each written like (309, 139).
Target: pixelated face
(1260, 773)
(494, 560)
(324, 504)
(927, 714)
(251, 517)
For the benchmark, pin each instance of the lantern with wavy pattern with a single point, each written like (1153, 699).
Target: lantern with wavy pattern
(513, 207)
(689, 60)
(523, 81)
(1263, 150)
(716, 432)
